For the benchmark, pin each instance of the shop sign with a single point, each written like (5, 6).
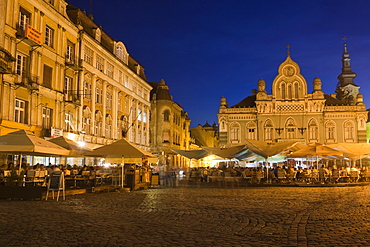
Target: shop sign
(33, 34)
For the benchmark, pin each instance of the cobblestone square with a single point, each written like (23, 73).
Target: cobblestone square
(244, 216)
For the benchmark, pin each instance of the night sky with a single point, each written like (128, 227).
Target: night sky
(206, 49)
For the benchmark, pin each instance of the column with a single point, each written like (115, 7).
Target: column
(114, 113)
(104, 84)
(93, 100)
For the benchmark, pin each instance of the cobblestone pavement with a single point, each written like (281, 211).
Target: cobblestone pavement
(191, 216)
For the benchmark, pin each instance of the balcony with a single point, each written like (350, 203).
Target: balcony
(6, 60)
(72, 97)
(73, 63)
(28, 81)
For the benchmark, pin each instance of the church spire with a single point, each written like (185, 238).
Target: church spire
(347, 76)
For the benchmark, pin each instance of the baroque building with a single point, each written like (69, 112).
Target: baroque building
(170, 127)
(291, 113)
(62, 75)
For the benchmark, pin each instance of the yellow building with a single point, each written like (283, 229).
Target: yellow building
(62, 75)
(170, 127)
(291, 113)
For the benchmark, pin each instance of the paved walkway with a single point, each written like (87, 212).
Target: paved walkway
(260, 216)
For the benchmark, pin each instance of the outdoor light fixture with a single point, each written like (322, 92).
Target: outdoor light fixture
(81, 144)
(302, 130)
(279, 130)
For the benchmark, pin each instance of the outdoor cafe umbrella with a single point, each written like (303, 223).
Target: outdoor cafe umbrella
(73, 147)
(355, 151)
(122, 150)
(26, 143)
(119, 149)
(314, 150)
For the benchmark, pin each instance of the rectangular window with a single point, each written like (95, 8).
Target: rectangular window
(47, 116)
(48, 75)
(99, 95)
(110, 70)
(20, 113)
(98, 128)
(68, 85)
(70, 51)
(109, 100)
(86, 122)
(49, 36)
(126, 81)
(20, 66)
(144, 117)
(24, 19)
(119, 103)
(120, 77)
(88, 55)
(139, 115)
(68, 122)
(87, 90)
(99, 63)
(108, 130)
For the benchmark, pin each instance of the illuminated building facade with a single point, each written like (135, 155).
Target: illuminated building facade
(170, 127)
(290, 113)
(67, 77)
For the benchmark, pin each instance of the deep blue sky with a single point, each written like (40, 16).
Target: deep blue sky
(206, 49)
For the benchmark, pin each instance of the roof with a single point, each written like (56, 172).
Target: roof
(330, 101)
(250, 101)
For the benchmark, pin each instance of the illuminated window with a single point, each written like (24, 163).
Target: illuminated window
(20, 114)
(68, 122)
(47, 116)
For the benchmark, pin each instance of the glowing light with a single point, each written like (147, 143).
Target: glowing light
(81, 144)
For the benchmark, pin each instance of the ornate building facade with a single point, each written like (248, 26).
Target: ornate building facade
(291, 113)
(64, 76)
(170, 127)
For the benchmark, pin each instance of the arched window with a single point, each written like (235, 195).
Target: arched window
(290, 91)
(120, 53)
(86, 120)
(283, 90)
(296, 92)
(349, 128)
(268, 127)
(234, 133)
(290, 129)
(166, 115)
(330, 131)
(313, 130)
(252, 131)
